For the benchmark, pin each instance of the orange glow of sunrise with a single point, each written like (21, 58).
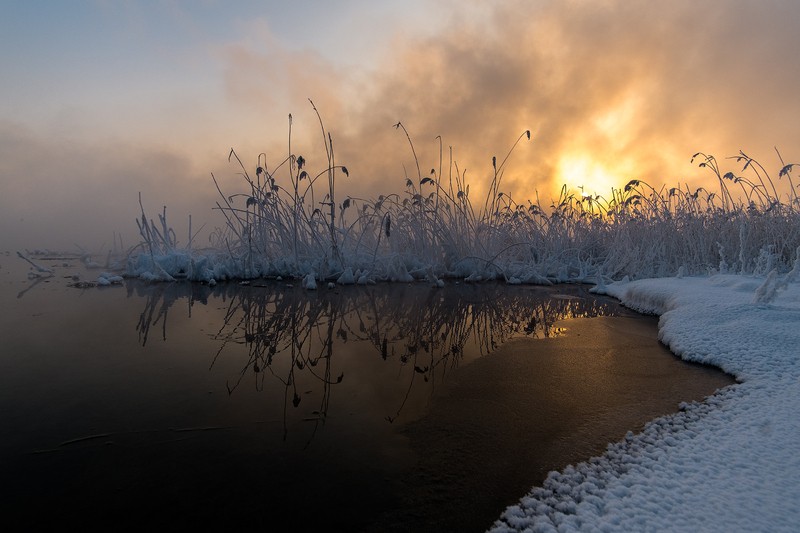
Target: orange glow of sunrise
(594, 160)
(590, 175)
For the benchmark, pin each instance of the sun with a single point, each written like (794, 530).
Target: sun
(592, 177)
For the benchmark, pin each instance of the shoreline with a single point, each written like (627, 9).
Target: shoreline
(727, 463)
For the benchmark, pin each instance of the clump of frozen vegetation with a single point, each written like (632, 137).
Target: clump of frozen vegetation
(288, 221)
(36, 268)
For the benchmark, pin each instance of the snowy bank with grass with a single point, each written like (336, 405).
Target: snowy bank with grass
(730, 463)
(294, 222)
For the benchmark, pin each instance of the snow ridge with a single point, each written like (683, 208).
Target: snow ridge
(729, 463)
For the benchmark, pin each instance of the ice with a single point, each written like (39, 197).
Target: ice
(36, 266)
(310, 282)
(347, 277)
(105, 279)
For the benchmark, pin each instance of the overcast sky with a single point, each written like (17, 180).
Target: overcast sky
(101, 100)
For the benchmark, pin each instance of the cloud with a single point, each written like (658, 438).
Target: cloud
(637, 86)
(267, 78)
(616, 90)
(611, 90)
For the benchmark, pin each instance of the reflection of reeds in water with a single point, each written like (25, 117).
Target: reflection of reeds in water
(291, 336)
(159, 299)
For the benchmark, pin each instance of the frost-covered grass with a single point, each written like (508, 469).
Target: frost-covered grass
(728, 463)
(290, 221)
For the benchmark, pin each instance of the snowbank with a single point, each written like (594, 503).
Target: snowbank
(730, 463)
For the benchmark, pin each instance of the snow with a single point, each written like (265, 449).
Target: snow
(310, 282)
(347, 277)
(36, 266)
(729, 463)
(105, 279)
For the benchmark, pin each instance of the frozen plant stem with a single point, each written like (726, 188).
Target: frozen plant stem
(279, 225)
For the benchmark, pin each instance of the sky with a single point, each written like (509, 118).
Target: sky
(102, 100)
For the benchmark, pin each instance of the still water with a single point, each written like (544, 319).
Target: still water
(266, 406)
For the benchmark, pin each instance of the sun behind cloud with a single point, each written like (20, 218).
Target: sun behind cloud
(580, 170)
(594, 161)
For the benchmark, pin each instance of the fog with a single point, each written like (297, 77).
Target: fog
(67, 195)
(610, 90)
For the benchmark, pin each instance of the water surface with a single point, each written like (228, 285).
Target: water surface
(389, 407)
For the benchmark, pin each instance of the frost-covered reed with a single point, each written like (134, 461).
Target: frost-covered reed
(289, 221)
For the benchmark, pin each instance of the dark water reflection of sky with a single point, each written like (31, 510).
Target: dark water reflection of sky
(269, 406)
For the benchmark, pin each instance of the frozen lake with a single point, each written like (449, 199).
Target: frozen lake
(386, 407)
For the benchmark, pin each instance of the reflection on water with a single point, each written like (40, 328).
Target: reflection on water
(282, 336)
(269, 407)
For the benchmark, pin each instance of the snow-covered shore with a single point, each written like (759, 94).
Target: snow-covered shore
(730, 463)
